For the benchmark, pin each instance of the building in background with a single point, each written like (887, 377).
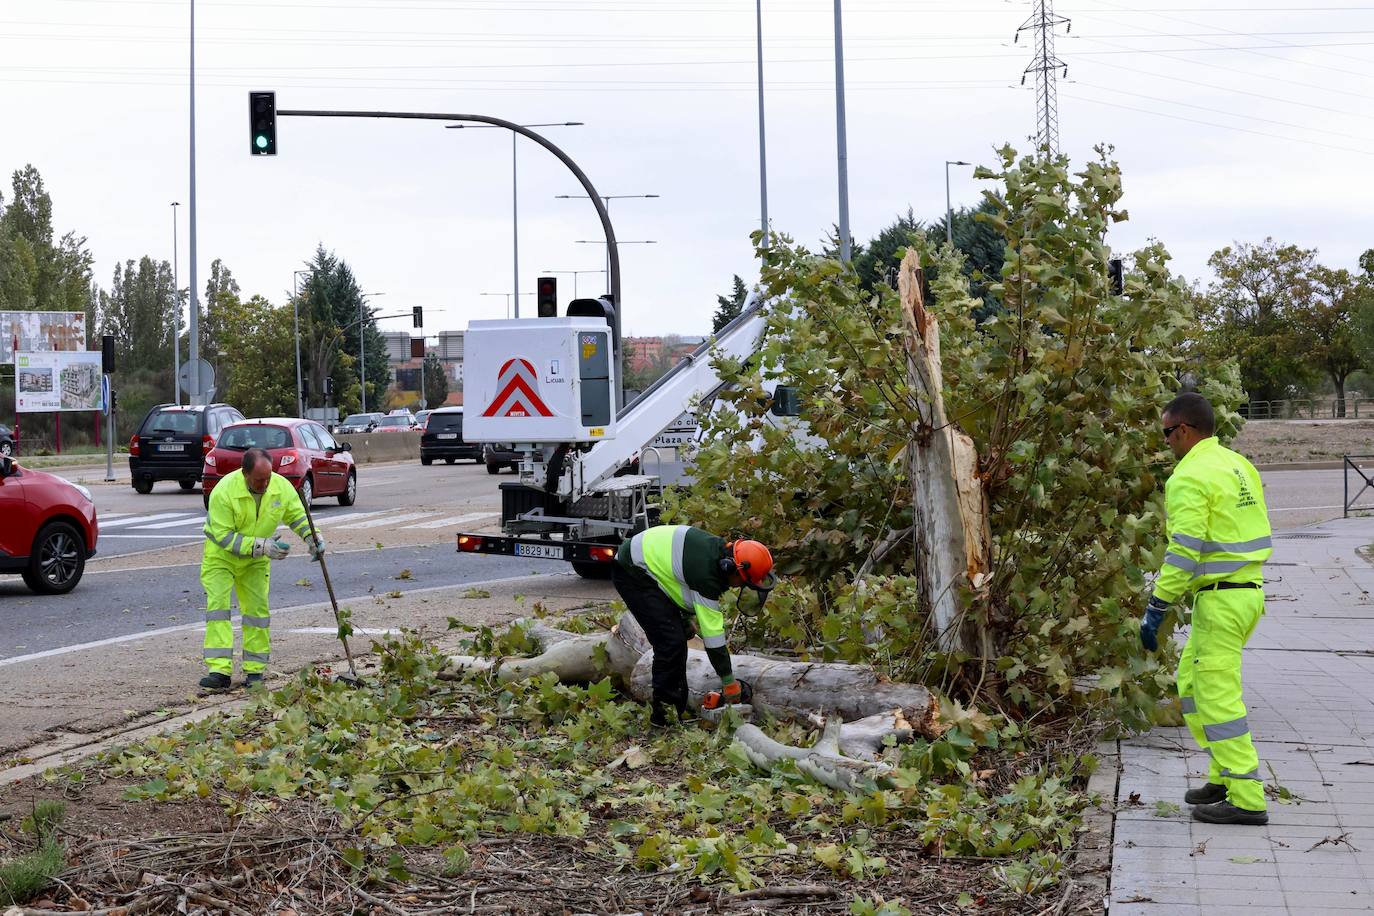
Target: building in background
(407, 369)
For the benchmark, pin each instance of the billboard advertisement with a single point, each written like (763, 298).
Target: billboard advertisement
(41, 332)
(53, 381)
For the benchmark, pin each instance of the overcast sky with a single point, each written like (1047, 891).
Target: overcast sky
(1231, 120)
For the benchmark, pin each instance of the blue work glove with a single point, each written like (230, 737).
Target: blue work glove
(1149, 624)
(316, 547)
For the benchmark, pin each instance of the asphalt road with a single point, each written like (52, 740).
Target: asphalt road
(147, 574)
(443, 496)
(121, 602)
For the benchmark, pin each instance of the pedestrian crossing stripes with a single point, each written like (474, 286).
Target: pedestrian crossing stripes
(174, 523)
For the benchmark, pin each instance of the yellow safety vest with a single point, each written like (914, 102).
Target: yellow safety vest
(235, 518)
(1218, 525)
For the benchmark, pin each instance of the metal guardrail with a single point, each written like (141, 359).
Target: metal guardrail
(1368, 478)
(1308, 409)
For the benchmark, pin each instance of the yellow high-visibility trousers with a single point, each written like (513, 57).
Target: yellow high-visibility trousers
(1209, 690)
(248, 578)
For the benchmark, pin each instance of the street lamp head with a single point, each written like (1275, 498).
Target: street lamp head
(957, 162)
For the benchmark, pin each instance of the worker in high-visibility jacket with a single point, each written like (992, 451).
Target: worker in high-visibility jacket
(246, 507)
(670, 574)
(1219, 538)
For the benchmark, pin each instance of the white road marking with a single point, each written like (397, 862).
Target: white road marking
(352, 516)
(159, 537)
(319, 605)
(141, 519)
(102, 516)
(194, 520)
(454, 520)
(388, 520)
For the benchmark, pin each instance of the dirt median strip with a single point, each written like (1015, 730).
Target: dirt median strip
(67, 703)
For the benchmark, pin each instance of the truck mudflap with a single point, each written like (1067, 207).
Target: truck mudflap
(538, 548)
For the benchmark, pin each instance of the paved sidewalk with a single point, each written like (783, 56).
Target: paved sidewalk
(1309, 689)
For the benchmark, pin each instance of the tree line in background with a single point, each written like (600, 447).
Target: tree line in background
(249, 341)
(1295, 328)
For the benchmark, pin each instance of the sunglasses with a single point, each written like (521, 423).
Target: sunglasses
(1169, 430)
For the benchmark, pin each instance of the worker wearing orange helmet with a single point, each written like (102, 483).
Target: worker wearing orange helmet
(670, 574)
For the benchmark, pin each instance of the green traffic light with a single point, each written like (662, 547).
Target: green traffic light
(261, 141)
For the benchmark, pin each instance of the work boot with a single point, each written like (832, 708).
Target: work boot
(1208, 794)
(215, 681)
(255, 678)
(1223, 812)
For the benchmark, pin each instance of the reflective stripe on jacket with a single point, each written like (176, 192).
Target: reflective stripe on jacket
(685, 562)
(235, 518)
(1218, 525)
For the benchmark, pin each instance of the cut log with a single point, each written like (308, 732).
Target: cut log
(850, 692)
(949, 502)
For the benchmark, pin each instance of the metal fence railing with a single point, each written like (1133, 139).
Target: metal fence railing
(1366, 477)
(1309, 409)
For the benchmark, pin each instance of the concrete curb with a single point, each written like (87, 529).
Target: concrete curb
(1302, 466)
(1092, 866)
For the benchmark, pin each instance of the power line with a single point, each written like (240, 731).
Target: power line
(1223, 111)
(1244, 130)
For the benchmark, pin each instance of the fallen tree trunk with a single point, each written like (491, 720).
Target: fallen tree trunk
(873, 705)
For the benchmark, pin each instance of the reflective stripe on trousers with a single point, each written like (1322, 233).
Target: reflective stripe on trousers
(249, 580)
(1210, 694)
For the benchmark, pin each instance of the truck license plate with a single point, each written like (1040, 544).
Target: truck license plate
(172, 447)
(448, 435)
(539, 551)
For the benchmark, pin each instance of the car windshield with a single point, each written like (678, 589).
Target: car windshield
(445, 423)
(358, 419)
(394, 421)
(242, 438)
(171, 421)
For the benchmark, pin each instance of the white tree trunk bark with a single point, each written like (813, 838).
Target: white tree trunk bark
(948, 499)
(874, 705)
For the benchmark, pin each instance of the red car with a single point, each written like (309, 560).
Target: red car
(302, 451)
(49, 529)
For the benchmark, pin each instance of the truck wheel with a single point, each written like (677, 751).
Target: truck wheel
(592, 570)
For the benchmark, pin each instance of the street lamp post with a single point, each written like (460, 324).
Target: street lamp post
(606, 201)
(574, 275)
(296, 323)
(841, 141)
(514, 194)
(193, 328)
(949, 208)
(763, 156)
(362, 347)
(176, 313)
(507, 300)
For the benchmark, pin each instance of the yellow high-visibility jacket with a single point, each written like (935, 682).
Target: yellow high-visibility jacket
(235, 518)
(1218, 525)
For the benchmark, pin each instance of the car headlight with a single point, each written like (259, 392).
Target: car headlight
(85, 493)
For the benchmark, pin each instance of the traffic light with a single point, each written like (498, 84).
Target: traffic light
(262, 116)
(107, 354)
(1116, 276)
(328, 389)
(546, 297)
(417, 316)
(114, 400)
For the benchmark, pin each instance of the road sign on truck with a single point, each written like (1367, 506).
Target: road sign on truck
(542, 380)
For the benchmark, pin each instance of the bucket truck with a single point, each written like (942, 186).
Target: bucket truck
(548, 385)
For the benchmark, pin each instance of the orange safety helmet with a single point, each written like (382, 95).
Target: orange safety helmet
(754, 564)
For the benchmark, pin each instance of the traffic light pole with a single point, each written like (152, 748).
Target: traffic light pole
(601, 212)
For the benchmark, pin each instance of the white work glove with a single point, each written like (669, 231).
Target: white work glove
(316, 547)
(270, 548)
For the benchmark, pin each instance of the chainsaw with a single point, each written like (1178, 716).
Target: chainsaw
(742, 693)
